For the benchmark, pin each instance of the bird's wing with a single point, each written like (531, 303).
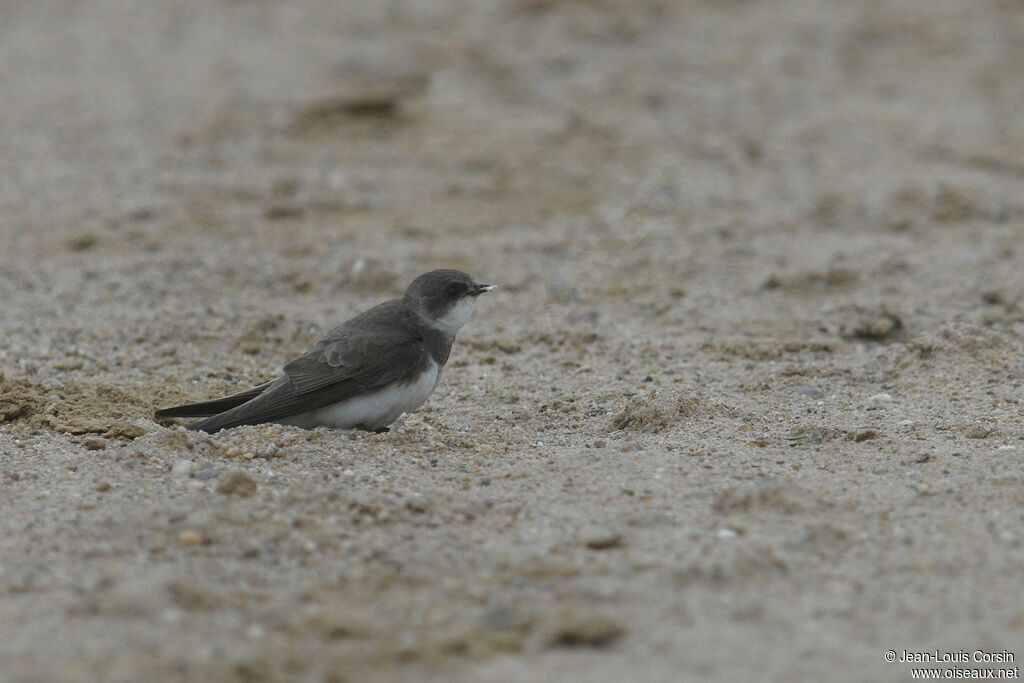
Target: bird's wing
(349, 361)
(372, 349)
(347, 355)
(213, 406)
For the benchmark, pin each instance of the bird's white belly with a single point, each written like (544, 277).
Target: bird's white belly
(372, 410)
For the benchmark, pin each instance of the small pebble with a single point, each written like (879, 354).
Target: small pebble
(865, 434)
(190, 537)
(268, 451)
(881, 398)
(237, 483)
(182, 468)
(580, 629)
(94, 443)
(203, 475)
(600, 538)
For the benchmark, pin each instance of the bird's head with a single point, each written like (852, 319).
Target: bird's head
(444, 298)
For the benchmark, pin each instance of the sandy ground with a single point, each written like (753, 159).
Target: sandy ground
(746, 405)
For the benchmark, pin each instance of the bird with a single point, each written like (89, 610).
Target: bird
(363, 374)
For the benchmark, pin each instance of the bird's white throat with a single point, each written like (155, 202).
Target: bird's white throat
(457, 316)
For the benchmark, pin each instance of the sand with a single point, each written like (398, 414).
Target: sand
(746, 405)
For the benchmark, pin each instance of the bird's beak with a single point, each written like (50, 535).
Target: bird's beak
(480, 289)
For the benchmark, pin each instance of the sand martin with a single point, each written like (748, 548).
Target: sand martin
(364, 373)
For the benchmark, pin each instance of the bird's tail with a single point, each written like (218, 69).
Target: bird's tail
(213, 406)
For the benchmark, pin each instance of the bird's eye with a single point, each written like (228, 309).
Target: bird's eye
(452, 289)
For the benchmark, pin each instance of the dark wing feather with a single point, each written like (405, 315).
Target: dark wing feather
(214, 405)
(256, 411)
(353, 357)
(350, 360)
